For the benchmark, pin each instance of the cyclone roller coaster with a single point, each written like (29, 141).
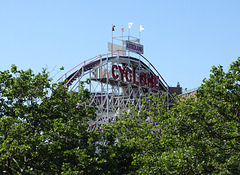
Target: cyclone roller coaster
(117, 80)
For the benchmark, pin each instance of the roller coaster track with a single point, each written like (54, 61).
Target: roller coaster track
(69, 77)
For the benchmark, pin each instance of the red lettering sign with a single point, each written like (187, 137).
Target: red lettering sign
(150, 80)
(134, 47)
(121, 71)
(113, 71)
(142, 79)
(130, 75)
(127, 75)
(134, 77)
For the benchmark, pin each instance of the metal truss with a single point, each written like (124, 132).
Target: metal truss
(109, 94)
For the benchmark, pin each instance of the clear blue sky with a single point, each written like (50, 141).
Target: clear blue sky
(182, 38)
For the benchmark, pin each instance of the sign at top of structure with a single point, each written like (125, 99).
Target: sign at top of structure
(134, 47)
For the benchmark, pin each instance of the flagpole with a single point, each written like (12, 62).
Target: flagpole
(122, 35)
(141, 29)
(112, 38)
(128, 33)
(122, 31)
(122, 39)
(112, 44)
(139, 36)
(139, 33)
(129, 27)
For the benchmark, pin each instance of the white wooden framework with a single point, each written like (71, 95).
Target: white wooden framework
(116, 83)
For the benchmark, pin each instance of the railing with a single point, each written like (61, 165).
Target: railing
(157, 73)
(188, 91)
(76, 69)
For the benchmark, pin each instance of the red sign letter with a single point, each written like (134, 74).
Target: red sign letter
(134, 77)
(121, 71)
(142, 78)
(150, 80)
(128, 72)
(113, 72)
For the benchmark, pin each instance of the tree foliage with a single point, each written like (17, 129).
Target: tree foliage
(194, 137)
(43, 134)
(40, 133)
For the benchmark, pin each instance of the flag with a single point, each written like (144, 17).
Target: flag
(141, 28)
(113, 27)
(130, 25)
(122, 29)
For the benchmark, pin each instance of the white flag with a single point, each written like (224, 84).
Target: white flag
(141, 28)
(130, 25)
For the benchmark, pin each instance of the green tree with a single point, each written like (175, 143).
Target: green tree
(47, 134)
(194, 137)
(133, 137)
(42, 133)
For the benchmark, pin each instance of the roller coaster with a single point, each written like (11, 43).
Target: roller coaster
(116, 81)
